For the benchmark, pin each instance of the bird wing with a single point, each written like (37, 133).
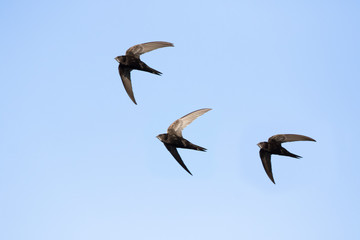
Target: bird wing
(139, 49)
(177, 126)
(125, 78)
(176, 155)
(266, 162)
(281, 138)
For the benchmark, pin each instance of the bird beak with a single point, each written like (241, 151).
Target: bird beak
(259, 145)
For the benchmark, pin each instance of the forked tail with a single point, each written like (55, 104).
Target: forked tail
(146, 68)
(155, 71)
(198, 148)
(289, 154)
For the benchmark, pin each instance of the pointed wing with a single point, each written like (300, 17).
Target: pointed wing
(139, 49)
(176, 155)
(266, 162)
(125, 78)
(281, 138)
(177, 126)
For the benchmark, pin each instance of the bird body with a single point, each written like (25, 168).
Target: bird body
(178, 142)
(131, 60)
(277, 149)
(173, 139)
(273, 146)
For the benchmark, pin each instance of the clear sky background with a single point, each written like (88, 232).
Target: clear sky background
(78, 160)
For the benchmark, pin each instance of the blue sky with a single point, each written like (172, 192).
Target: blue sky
(78, 160)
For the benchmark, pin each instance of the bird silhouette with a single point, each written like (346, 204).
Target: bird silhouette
(273, 146)
(131, 60)
(173, 139)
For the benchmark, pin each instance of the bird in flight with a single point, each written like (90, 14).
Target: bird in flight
(173, 139)
(273, 146)
(131, 60)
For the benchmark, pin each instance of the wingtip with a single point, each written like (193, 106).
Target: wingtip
(207, 109)
(131, 96)
(311, 139)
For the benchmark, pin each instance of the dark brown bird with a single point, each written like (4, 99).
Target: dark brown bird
(173, 138)
(131, 60)
(273, 146)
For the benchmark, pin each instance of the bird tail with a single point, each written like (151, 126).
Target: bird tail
(198, 148)
(294, 156)
(155, 72)
(146, 68)
(289, 154)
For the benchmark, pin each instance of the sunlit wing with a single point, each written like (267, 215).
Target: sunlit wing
(177, 126)
(281, 138)
(139, 49)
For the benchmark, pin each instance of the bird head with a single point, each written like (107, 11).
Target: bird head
(120, 59)
(262, 144)
(161, 137)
